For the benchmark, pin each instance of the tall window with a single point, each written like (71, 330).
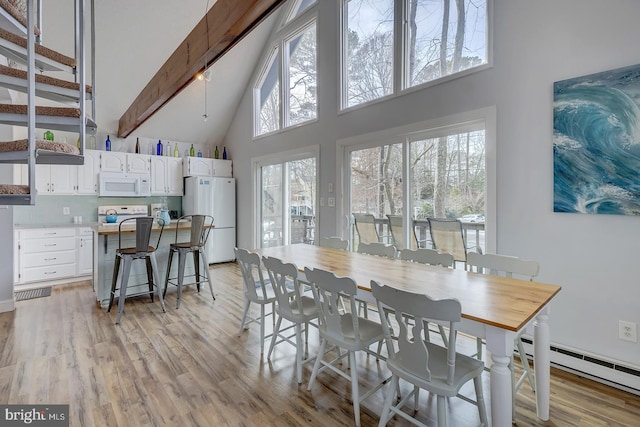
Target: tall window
(285, 93)
(368, 50)
(444, 37)
(439, 38)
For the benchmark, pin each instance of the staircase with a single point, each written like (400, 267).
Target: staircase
(24, 47)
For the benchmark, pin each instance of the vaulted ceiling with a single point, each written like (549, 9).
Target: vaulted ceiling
(222, 27)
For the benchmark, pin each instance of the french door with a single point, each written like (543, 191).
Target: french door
(286, 200)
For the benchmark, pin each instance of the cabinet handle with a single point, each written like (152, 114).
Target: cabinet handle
(53, 232)
(50, 259)
(50, 272)
(51, 244)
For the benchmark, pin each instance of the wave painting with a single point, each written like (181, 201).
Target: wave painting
(596, 143)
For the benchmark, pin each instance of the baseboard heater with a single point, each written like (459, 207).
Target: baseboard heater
(604, 371)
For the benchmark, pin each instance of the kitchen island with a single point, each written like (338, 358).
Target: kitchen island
(104, 251)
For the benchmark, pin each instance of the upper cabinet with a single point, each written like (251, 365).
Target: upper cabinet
(200, 166)
(166, 176)
(88, 173)
(112, 161)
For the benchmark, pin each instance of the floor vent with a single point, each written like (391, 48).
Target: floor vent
(33, 293)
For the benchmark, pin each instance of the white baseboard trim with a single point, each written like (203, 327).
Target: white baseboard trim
(7, 305)
(617, 374)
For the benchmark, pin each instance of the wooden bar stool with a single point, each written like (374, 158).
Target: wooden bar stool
(142, 251)
(200, 227)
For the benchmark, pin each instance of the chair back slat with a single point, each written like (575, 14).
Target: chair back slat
(287, 288)
(252, 276)
(502, 265)
(334, 242)
(378, 249)
(412, 312)
(427, 256)
(328, 290)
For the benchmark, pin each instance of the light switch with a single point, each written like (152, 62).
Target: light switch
(331, 201)
(330, 189)
(321, 201)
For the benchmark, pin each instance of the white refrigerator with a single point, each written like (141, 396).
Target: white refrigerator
(216, 197)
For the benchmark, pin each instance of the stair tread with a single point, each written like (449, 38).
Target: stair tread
(40, 50)
(13, 189)
(41, 78)
(17, 14)
(41, 110)
(23, 145)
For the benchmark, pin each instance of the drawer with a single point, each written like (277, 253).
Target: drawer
(85, 231)
(48, 272)
(48, 245)
(41, 259)
(44, 233)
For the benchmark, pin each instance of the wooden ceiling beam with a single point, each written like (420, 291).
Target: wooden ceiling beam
(224, 25)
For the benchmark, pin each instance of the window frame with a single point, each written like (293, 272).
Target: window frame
(401, 79)
(457, 123)
(286, 32)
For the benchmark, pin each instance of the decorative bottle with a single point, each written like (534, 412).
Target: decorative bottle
(138, 145)
(107, 144)
(159, 148)
(224, 153)
(199, 153)
(192, 151)
(216, 154)
(176, 151)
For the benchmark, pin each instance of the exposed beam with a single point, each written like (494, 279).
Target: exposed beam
(224, 25)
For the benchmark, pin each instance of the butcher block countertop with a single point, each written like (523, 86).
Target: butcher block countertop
(112, 229)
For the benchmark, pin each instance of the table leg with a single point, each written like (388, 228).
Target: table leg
(500, 345)
(541, 359)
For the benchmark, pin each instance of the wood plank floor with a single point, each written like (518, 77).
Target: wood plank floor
(188, 367)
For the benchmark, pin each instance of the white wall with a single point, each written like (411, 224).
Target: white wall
(535, 44)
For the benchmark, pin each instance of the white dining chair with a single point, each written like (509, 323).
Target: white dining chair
(341, 330)
(257, 290)
(378, 249)
(508, 266)
(291, 305)
(438, 369)
(429, 257)
(334, 242)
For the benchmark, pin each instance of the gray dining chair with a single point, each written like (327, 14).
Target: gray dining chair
(441, 370)
(257, 290)
(334, 242)
(291, 305)
(343, 330)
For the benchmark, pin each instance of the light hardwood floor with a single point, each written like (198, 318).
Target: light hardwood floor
(188, 367)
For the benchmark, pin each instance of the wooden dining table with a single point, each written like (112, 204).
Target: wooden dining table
(493, 307)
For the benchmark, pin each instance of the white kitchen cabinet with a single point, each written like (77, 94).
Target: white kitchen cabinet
(56, 179)
(166, 176)
(138, 163)
(88, 173)
(53, 255)
(112, 161)
(200, 166)
(85, 251)
(46, 254)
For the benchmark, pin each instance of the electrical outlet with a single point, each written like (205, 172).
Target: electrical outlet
(321, 201)
(65, 211)
(331, 201)
(627, 331)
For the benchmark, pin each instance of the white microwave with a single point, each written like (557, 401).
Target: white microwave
(114, 184)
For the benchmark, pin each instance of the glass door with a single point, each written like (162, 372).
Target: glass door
(288, 202)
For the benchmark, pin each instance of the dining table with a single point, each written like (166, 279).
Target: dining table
(495, 308)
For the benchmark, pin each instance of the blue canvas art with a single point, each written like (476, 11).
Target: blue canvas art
(596, 143)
